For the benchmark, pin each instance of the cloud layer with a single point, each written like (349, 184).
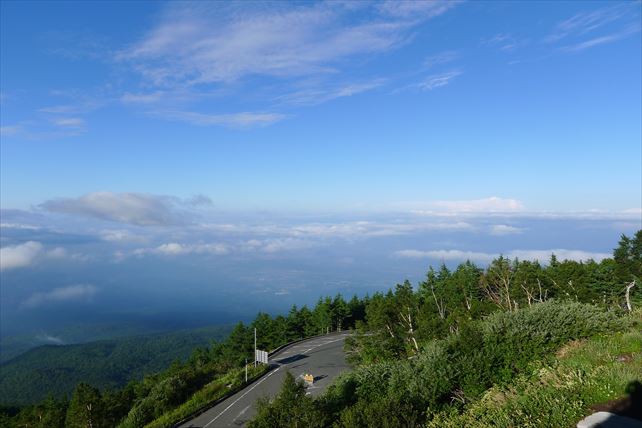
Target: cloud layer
(204, 43)
(543, 256)
(17, 256)
(72, 293)
(131, 208)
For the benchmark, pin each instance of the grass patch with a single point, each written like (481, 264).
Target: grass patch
(209, 393)
(561, 392)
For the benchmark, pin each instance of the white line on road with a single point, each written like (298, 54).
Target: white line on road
(242, 412)
(246, 392)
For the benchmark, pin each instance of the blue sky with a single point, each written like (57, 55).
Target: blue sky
(296, 149)
(333, 106)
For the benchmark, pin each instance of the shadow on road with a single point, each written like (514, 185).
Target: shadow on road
(621, 413)
(291, 359)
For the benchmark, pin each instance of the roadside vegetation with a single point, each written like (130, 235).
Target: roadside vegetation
(517, 344)
(464, 348)
(167, 396)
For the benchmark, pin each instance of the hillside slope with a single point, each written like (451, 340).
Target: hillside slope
(109, 364)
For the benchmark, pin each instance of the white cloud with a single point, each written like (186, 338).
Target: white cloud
(10, 130)
(19, 226)
(438, 80)
(504, 229)
(57, 253)
(582, 30)
(46, 338)
(287, 244)
(416, 9)
(80, 292)
(562, 254)
(142, 98)
(503, 41)
(602, 40)
(203, 43)
(172, 249)
(120, 235)
(133, 208)
(373, 228)
(318, 95)
(238, 120)
(176, 249)
(493, 204)
(60, 253)
(543, 256)
(17, 256)
(440, 59)
(588, 21)
(69, 122)
(447, 255)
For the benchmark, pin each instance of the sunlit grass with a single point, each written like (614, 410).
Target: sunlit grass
(560, 392)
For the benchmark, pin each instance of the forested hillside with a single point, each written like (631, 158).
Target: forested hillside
(107, 364)
(421, 354)
(186, 385)
(477, 347)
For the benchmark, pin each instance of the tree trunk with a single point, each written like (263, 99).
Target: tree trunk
(628, 295)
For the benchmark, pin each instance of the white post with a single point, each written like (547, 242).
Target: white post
(246, 370)
(255, 347)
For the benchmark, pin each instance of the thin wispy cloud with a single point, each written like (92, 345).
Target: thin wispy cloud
(197, 44)
(121, 236)
(438, 80)
(417, 10)
(597, 27)
(49, 339)
(176, 249)
(493, 204)
(502, 41)
(142, 98)
(74, 124)
(602, 40)
(234, 120)
(72, 293)
(590, 21)
(318, 95)
(440, 59)
(10, 130)
(504, 229)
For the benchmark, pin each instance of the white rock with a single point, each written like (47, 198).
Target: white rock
(608, 420)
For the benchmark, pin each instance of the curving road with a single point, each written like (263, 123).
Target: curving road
(323, 357)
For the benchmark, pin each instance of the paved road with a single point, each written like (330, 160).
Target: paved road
(323, 357)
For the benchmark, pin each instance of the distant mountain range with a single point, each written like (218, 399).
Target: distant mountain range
(56, 369)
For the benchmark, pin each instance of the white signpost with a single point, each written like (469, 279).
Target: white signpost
(261, 356)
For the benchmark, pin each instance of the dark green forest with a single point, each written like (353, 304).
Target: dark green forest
(107, 364)
(424, 356)
(417, 351)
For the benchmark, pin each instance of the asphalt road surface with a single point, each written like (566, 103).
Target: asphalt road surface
(323, 357)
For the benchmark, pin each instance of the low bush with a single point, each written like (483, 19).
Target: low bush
(449, 375)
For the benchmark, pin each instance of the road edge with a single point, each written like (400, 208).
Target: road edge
(249, 382)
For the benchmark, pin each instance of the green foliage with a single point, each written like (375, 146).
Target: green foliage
(426, 356)
(290, 408)
(85, 408)
(451, 373)
(558, 393)
(106, 364)
(212, 391)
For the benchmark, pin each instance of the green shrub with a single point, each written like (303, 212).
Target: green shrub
(450, 374)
